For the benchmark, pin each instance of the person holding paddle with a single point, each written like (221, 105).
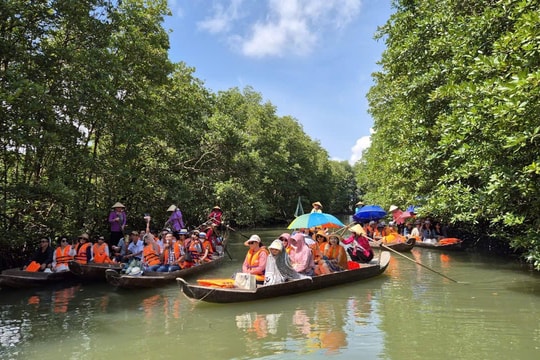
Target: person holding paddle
(360, 251)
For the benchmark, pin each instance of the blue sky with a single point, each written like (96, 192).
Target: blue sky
(312, 59)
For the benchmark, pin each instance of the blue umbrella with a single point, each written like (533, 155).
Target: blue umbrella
(310, 220)
(369, 212)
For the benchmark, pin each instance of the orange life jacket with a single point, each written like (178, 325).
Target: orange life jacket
(336, 252)
(81, 254)
(150, 256)
(33, 266)
(176, 250)
(253, 262)
(100, 256)
(62, 256)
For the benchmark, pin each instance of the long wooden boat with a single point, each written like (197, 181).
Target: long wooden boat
(443, 244)
(17, 278)
(153, 279)
(229, 295)
(398, 246)
(91, 271)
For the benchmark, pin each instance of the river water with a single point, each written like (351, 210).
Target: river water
(408, 312)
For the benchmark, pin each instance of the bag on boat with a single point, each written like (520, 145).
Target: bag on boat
(245, 281)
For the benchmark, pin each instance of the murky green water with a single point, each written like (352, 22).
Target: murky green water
(407, 313)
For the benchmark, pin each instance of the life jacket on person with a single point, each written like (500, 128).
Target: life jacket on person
(166, 252)
(207, 244)
(81, 257)
(253, 262)
(150, 256)
(100, 256)
(62, 256)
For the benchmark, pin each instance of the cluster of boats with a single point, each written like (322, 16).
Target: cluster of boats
(112, 273)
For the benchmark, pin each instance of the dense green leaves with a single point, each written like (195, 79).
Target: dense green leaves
(456, 110)
(93, 112)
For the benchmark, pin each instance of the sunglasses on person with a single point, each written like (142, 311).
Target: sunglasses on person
(44, 241)
(64, 240)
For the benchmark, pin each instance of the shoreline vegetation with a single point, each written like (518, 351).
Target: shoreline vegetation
(94, 112)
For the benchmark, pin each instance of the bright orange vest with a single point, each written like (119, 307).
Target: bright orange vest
(100, 256)
(150, 256)
(176, 249)
(336, 252)
(81, 254)
(253, 261)
(62, 257)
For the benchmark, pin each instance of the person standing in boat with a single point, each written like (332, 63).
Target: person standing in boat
(117, 219)
(61, 256)
(176, 220)
(317, 207)
(42, 259)
(359, 205)
(255, 261)
(215, 215)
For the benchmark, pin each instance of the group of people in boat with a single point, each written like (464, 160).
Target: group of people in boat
(304, 253)
(173, 248)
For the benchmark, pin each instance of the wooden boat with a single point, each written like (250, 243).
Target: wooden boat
(453, 244)
(229, 295)
(17, 278)
(91, 271)
(152, 279)
(398, 246)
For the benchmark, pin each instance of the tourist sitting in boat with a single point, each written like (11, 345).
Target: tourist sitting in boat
(360, 251)
(370, 229)
(194, 251)
(170, 257)
(428, 234)
(100, 251)
(278, 265)
(207, 248)
(407, 231)
(255, 261)
(61, 256)
(82, 251)
(119, 250)
(285, 240)
(317, 249)
(42, 259)
(151, 253)
(440, 231)
(335, 253)
(417, 231)
(301, 256)
(135, 247)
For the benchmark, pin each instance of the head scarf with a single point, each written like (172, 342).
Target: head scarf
(279, 268)
(301, 254)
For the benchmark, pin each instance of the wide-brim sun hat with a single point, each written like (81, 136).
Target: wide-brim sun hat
(321, 233)
(118, 205)
(183, 232)
(253, 238)
(171, 208)
(317, 203)
(216, 207)
(359, 203)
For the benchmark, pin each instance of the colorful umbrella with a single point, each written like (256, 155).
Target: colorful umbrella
(369, 212)
(315, 219)
(403, 216)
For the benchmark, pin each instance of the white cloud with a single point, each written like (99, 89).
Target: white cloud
(285, 27)
(361, 144)
(223, 18)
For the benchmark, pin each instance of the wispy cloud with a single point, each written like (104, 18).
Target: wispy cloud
(286, 27)
(223, 17)
(361, 144)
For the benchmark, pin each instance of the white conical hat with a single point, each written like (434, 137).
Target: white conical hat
(120, 205)
(392, 208)
(171, 208)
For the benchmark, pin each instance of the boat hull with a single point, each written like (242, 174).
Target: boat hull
(20, 279)
(458, 246)
(92, 272)
(230, 295)
(154, 279)
(400, 247)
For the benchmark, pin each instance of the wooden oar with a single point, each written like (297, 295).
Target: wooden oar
(230, 228)
(416, 262)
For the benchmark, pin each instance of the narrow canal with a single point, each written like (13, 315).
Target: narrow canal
(406, 313)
